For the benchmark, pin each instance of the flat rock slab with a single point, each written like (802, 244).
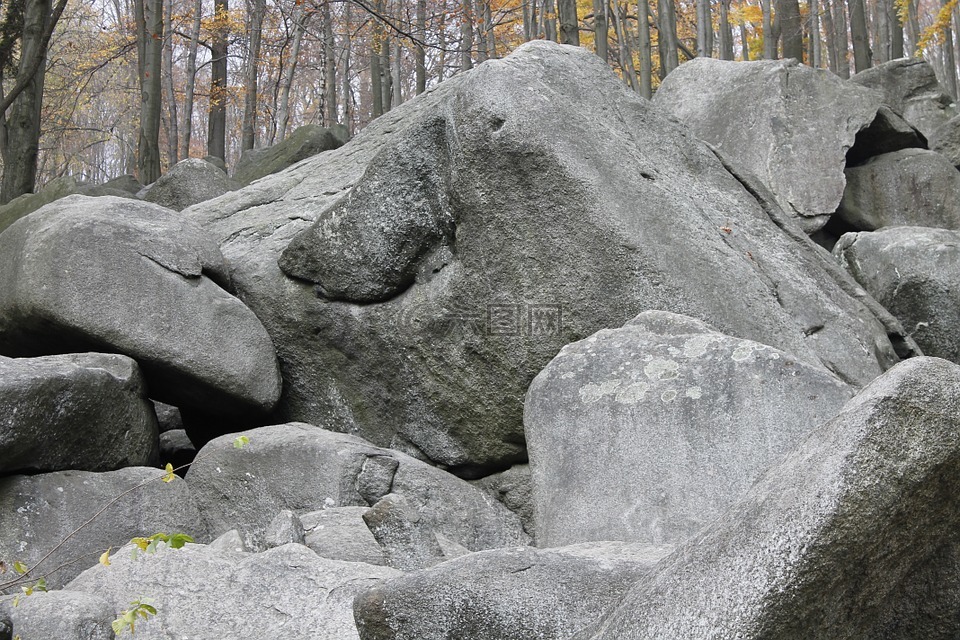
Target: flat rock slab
(915, 273)
(833, 541)
(39, 512)
(200, 592)
(132, 277)
(519, 593)
(792, 125)
(86, 411)
(437, 262)
(649, 432)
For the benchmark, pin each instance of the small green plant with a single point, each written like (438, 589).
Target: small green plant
(139, 608)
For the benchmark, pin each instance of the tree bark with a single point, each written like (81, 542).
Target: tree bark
(896, 31)
(601, 29)
(858, 33)
(255, 11)
(791, 29)
(186, 131)
(704, 29)
(170, 94)
(300, 21)
(625, 55)
(466, 37)
(726, 36)
(830, 40)
(949, 58)
(840, 34)
(347, 91)
(667, 28)
(744, 43)
(329, 68)
(814, 55)
(646, 54)
(386, 79)
(395, 77)
(376, 74)
(148, 16)
(769, 41)
(549, 15)
(217, 117)
(569, 22)
(419, 52)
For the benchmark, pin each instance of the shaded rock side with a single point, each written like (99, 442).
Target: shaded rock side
(793, 125)
(38, 512)
(199, 592)
(574, 206)
(304, 142)
(830, 543)
(945, 140)
(519, 593)
(85, 411)
(187, 183)
(649, 432)
(131, 277)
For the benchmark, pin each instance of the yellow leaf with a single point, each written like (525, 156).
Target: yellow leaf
(105, 558)
(168, 476)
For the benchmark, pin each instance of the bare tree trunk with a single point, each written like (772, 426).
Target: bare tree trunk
(466, 37)
(442, 45)
(858, 33)
(791, 27)
(769, 41)
(913, 26)
(148, 16)
(329, 67)
(549, 15)
(726, 37)
(879, 30)
(569, 23)
(255, 11)
(386, 80)
(896, 30)
(217, 118)
(186, 131)
(744, 43)
(528, 29)
(667, 28)
(949, 58)
(626, 56)
(300, 21)
(347, 90)
(170, 94)
(481, 33)
(646, 55)
(395, 79)
(488, 30)
(840, 33)
(601, 29)
(814, 55)
(419, 51)
(830, 41)
(376, 73)
(704, 29)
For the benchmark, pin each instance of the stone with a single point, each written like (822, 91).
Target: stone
(782, 132)
(910, 87)
(231, 541)
(187, 183)
(339, 533)
(649, 432)
(945, 140)
(39, 512)
(519, 593)
(135, 278)
(168, 417)
(177, 449)
(286, 592)
(914, 272)
(408, 541)
(831, 541)
(514, 488)
(303, 468)
(911, 187)
(64, 615)
(568, 219)
(86, 411)
(285, 528)
(304, 142)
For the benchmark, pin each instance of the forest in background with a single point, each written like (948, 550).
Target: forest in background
(100, 88)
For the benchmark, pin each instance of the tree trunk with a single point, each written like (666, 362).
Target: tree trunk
(840, 33)
(488, 30)
(347, 91)
(549, 15)
(217, 118)
(186, 131)
(481, 32)
(646, 55)
(879, 30)
(913, 26)
(386, 79)
(667, 28)
(419, 52)
(791, 29)
(625, 55)
(814, 55)
(949, 58)
(376, 75)
(896, 31)
(830, 41)
(704, 29)
(744, 43)
(858, 33)
(569, 22)
(466, 37)
(300, 20)
(601, 29)
(726, 37)
(329, 68)
(255, 10)
(148, 16)
(395, 77)
(170, 94)
(769, 41)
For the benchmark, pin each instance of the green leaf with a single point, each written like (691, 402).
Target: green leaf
(20, 568)
(177, 540)
(240, 442)
(117, 626)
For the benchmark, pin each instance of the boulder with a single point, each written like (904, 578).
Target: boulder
(187, 183)
(475, 230)
(132, 277)
(648, 432)
(514, 488)
(199, 592)
(304, 142)
(285, 528)
(64, 615)
(914, 272)
(945, 140)
(519, 593)
(844, 538)
(39, 512)
(911, 187)
(86, 411)
(339, 533)
(303, 468)
(910, 87)
(177, 449)
(783, 132)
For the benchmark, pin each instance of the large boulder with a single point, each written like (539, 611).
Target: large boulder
(304, 142)
(437, 262)
(132, 277)
(304, 468)
(201, 592)
(84, 411)
(188, 182)
(38, 513)
(520, 593)
(792, 127)
(64, 615)
(945, 140)
(911, 187)
(910, 87)
(914, 272)
(649, 432)
(853, 535)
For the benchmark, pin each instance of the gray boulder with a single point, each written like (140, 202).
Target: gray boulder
(60, 615)
(911, 187)
(304, 142)
(285, 528)
(39, 512)
(792, 129)
(303, 468)
(910, 87)
(844, 538)
(406, 537)
(177, 449)
(649, 432)
(520, 593)
(514, 488)
(85, 411)
(474, 232)
(187, 183)
(914, 272)
(199, 592)
(339, 533)
(945, 140)
(135, 278)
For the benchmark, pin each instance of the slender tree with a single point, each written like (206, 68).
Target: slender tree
(169, 93)
(217, 116)
(643, 45)
(148, 17)
(858, 33)
(569, 22)
(601, 29)
(186, 131)
(791, 29)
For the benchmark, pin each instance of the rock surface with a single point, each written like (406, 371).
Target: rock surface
(60, 615)
(520, 593)
(945, 140)
(38, 512)
(536, 200)
(304, 142)
(86, 411)
(829, 542)
(187, 183)
(135, 278)
(286, 592)
(339, 533)
(648, 432)
(781, 132)
(303, 468)
(911, 187)
(122, 187)
(914, 272)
